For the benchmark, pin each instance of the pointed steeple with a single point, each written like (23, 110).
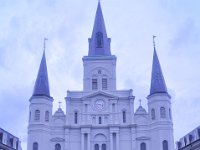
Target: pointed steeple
(99, 43)
(42, 83)
(157, 79)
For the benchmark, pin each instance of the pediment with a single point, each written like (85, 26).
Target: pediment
(57, 139)
(100, 93)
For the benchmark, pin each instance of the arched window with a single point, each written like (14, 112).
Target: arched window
(104, 83)
(35, 146)
(96, 147)
(103, 146)
(47, 116)
(113, 107)
(37, 115)
(57, 146)
(165, 145)
(76, 117)
(162, 112)
(153, 114)
(94, 84)
(143, 146)
(99, 40)
(124, 116)
(100, 120)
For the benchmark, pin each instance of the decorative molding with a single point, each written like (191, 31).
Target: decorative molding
(57, 139)
(142, 138)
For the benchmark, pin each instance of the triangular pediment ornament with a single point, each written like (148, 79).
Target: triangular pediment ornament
(57, 139)
(100, 93)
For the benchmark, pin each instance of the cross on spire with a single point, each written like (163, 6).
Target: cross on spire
(45, 39)
(154, 45)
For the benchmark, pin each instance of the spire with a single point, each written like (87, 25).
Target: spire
(42, 83)
(157, 79)
(99, 43)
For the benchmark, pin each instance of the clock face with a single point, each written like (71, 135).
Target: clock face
(99, 104)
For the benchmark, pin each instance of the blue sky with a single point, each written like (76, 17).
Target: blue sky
(68, 24)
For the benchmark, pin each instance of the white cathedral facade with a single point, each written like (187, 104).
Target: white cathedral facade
(100, 117)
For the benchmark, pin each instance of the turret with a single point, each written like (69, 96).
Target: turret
(159, 106)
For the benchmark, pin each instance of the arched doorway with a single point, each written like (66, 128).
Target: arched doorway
(100, 142)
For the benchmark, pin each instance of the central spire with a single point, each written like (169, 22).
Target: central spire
(99, 43)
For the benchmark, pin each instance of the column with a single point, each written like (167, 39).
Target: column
(133, 138)
(117, 140)
(89, 142)
(100, 146)
(111, 141)
(132, 108)
(67, 139)
(82, 141)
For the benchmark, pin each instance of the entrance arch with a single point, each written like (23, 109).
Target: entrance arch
(100, 142)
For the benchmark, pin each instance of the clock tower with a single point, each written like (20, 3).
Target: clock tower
(99, 65)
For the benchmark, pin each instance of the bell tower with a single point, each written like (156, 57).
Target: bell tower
(159, 106)
(99, 65)
(40, 110)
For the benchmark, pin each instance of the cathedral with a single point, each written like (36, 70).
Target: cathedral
(100, 117)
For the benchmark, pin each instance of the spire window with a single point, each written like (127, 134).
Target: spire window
(37, 115)
(153, 114)
(47, 116)
(99, 40)
(162, 112)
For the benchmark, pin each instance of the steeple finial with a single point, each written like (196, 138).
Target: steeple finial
(45, 39)
(157, 79)
(42, 83)
(99, 43)
(154, 45)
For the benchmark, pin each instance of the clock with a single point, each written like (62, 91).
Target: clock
(99, 105)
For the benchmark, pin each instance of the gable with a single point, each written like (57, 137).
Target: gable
(100, 94)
